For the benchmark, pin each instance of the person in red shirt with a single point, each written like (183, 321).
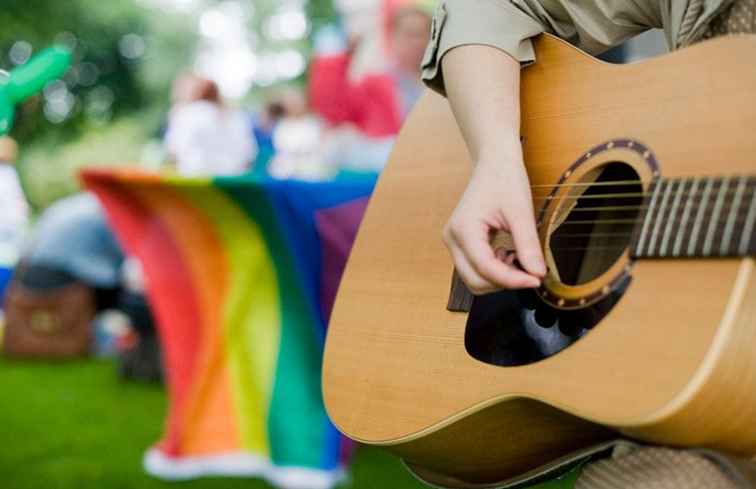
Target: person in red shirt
(376, 103)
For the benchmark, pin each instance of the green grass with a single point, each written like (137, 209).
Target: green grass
(75, 426)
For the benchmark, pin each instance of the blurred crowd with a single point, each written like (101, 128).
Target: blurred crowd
(344, 121)
(341, 123)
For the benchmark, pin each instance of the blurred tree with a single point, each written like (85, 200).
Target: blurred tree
(113, 44)
(320, 12)
(125, 58)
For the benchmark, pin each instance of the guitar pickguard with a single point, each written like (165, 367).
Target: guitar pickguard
(511, 328)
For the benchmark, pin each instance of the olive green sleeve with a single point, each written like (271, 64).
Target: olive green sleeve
(495, 23)
(509, 25)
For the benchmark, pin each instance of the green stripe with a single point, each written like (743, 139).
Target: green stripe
(297, 420)
(251, 315)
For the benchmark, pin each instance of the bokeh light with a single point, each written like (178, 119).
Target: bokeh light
(132, 46)
(20, 52)
(289, 25)
(290, 64)
(88, 73)
(67, 40)
(176, 5)
(213, 23)
(58, 108)
(226, 50)
(98, 104)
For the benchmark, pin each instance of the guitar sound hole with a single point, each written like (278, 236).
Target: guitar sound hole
(598, 229)
(512, 328)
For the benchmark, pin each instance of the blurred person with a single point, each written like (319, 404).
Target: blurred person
(204, 137)
(298, 139)
(376, 103)
(263, 126)
(14, 211)
(72, 244)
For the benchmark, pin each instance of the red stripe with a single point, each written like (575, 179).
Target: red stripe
(144, 235)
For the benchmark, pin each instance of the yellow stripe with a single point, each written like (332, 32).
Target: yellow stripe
(251, 313)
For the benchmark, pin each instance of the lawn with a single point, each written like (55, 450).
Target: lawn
(74, 426)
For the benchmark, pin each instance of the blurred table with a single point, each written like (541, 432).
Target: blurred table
(241, 274)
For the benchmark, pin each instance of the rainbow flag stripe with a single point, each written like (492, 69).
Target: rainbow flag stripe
(241, 274)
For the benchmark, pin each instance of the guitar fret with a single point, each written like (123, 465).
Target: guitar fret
(699, 217)
(745, 239)
(671, 220)
(734, 211)
(659, 219)
(685, 217)
(647, 220)
(708, 240)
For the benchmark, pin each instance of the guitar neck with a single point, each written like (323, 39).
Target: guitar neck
(697, 217)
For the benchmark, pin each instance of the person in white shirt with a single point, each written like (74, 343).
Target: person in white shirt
(14, 209)
(205, 137)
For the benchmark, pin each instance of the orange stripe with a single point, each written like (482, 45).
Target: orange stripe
(209, 418)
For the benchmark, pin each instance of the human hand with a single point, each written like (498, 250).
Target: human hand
(497, 198)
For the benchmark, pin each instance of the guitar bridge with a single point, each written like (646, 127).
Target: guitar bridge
(460, 297)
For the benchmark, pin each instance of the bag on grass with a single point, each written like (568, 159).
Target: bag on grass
(50, 324)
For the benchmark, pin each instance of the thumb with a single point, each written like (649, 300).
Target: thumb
(527, 244)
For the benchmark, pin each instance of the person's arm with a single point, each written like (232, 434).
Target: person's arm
(476, 52)
(483, 87)
(330, 91)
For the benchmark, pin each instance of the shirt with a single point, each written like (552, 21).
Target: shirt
(14, 215)
(73, 235)
(209, 140)
(592, 25)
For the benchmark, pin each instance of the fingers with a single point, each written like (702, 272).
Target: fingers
(527, 243)
(472, 279)
(482, 210)
(479, 267)
(478, 250)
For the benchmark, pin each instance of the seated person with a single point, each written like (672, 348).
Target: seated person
(474, 59)
(72, 243)
(14, 211)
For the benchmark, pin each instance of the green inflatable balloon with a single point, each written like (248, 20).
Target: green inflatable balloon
(30, 78)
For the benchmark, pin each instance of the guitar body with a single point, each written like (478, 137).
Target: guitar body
(672, 362)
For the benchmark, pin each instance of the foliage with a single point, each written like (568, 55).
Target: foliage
(119, 96)
(49, 169)
(107, 80)
(320, 12)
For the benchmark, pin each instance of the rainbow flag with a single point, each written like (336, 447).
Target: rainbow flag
(241, 274)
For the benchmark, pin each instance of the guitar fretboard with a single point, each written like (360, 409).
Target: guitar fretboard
(697, 217)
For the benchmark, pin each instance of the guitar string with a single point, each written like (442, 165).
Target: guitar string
(624, 235)
(747, 194)
(685, 194)
(632, 182)
(603, 235)
(740, 219)
(626, 221)
(694, 206)
(610, 236)
(621, 195)
(740, 211)
(606, 248)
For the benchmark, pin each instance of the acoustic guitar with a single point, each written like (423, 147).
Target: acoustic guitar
(644, 186)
